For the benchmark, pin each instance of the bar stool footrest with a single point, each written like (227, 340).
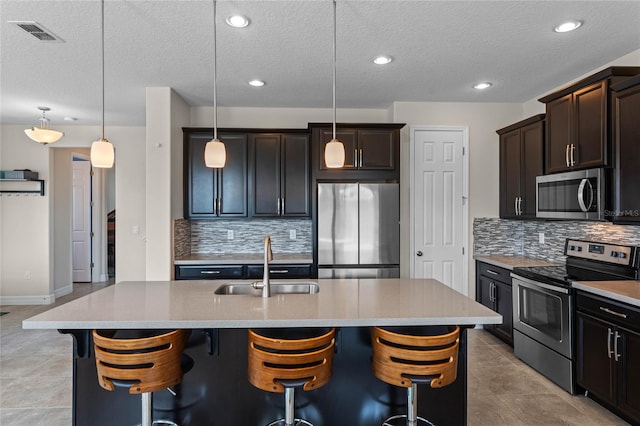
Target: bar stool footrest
(296, 422)
(395, 421)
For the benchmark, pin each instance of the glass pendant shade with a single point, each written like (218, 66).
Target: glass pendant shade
(215, 154)
(334, 154)
(102, 154)
(43, 135)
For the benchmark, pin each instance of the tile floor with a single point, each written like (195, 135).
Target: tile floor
(35, 380)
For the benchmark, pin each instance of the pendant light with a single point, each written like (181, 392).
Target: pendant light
(102, 154)
(334, 150)
(43, 134)
(215, 154)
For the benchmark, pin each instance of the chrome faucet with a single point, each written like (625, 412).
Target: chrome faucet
(268, 256)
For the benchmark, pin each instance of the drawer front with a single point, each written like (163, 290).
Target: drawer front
(609, 310)
(199, 272)
(280, 271)
(494, 272)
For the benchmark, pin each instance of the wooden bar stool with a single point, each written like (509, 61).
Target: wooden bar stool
(408, 356)
(281, 360)
(141, 364)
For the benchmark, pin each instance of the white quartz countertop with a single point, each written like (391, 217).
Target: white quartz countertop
(510, 262)
(243, 259)
(340, 302)
(627, 291)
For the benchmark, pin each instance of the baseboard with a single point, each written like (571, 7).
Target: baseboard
(27, 300)
(63, 291)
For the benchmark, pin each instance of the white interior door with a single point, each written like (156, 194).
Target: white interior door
(439, 205)
(81, 220)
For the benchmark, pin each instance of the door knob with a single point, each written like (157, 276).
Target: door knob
(419, 253)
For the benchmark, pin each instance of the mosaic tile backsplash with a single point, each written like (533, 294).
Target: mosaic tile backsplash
(521, 237)
(211, 237)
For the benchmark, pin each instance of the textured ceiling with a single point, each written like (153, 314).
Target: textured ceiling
(440, 49)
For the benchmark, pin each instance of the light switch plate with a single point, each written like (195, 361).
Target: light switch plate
(541, 237)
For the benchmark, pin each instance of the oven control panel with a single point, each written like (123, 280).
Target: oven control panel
(603, 252)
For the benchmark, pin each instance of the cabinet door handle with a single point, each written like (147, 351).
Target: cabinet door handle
(209, 272)
(609, 311)
(278, 271)
(515, 205)
(219, 208)
(278, 206)
(355, 158)
(609, 334)
(489, 271)
(573, 149)
(492, 291)
(566, 155)
(615, 345)
(282, 209)
(360, 162)
(519, 206)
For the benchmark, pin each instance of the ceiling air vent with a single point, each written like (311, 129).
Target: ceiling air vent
(37, 30)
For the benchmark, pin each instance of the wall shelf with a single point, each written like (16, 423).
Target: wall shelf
(6, 186)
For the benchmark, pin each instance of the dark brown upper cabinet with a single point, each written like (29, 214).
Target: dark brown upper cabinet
(280, 175)
(579, 130)
(371, 150)
(626, 172)
(215, 193)
(521, 160)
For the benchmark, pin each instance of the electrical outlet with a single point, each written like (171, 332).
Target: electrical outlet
(135, 230)
(541, 237)
(27, 275)
(292, 234)
(229, 234)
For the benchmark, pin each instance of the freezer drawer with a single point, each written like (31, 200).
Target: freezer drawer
(359, 273)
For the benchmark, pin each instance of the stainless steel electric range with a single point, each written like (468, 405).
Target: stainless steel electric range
(543, 304)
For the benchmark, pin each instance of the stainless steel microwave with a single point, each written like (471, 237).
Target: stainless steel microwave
(571, 195)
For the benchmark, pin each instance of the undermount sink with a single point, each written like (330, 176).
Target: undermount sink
(276, 288)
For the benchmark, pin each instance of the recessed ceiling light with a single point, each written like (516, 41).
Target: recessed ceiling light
(568, 26)
(237, 21)
(382, 60)
(256, 83)
(482, 86)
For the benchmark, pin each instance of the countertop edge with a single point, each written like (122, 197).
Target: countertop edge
(196, 324)
(591, 287)
(512, 261)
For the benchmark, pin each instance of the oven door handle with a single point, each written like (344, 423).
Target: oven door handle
(585, 208)
(533, 284)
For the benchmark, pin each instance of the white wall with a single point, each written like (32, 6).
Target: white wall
(166, 114)
(27, 223)
(284, 118)
(482, 119)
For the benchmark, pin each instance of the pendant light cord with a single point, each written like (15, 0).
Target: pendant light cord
(102, 48)
(215, 54)
(334, 69)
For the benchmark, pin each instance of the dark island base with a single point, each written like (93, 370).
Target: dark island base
(216, 391)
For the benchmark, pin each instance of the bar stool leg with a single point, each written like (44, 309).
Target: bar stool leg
(412, 404)
(289, 404)
(147, 411)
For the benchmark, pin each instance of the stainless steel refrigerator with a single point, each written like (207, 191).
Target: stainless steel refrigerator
(358, 230)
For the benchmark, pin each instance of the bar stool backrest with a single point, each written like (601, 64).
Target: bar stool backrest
(400, 359)
(274, 362)
(145, 364)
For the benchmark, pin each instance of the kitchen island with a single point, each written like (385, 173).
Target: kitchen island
(216, 390)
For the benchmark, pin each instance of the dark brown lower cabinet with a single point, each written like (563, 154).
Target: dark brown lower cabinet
(493, 290)
(608, 354)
